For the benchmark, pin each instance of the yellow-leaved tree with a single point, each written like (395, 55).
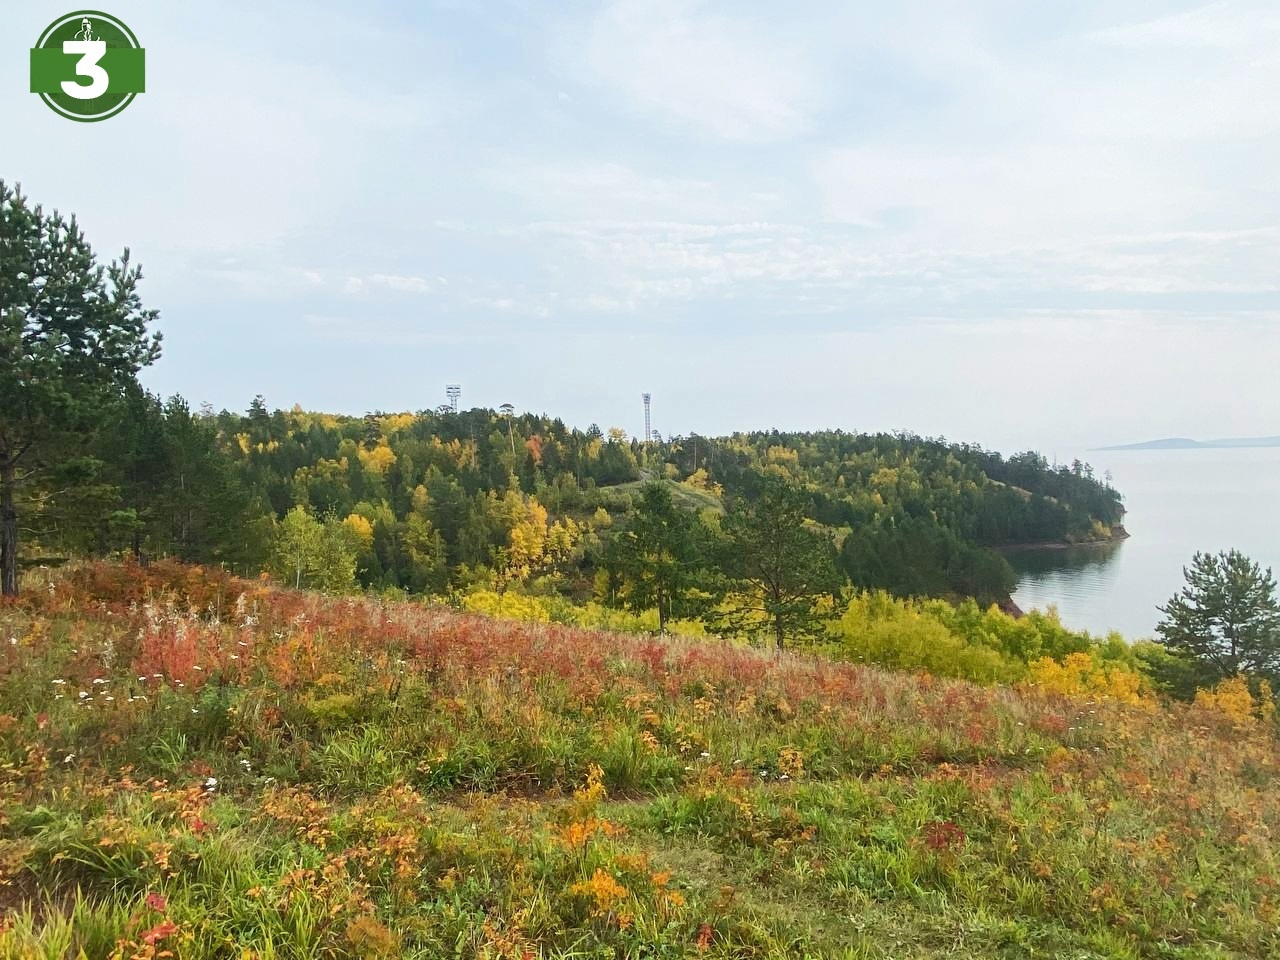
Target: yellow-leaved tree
(536, 546)
(1233, 699)
(377, 459)
(1083, 676)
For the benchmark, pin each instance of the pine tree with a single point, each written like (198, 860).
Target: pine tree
(779, 568)
(1226, 618)
(73, 335)
(657, 556)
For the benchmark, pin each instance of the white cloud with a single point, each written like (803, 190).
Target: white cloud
(383, 330)
(616, 191)
(777, 270)
(1078, 139)
(1208, 75)
(400, 284)
(711, 74)
(949, 191)
(1219, 24)
(991, 196)
(396, 283)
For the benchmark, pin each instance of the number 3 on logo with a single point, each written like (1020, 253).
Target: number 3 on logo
(87, 66)
(90, 51)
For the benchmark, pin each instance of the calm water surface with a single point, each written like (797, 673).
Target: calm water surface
(1178, 502)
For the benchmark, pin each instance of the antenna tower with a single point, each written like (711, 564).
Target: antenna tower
(648, 432)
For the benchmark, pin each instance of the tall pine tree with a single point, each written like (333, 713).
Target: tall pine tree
(73, 336)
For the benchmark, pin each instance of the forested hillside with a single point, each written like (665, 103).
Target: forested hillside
(432, 501)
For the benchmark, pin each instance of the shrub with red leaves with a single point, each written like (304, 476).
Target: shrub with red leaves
(944, 836)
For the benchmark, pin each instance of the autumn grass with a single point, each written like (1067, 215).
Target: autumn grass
(206, 767)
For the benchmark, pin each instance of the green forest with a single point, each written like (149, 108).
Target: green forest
(435, 501)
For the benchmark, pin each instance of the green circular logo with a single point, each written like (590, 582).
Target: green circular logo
(88, 66)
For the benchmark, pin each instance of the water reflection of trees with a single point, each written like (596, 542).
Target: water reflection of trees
(1056, 559)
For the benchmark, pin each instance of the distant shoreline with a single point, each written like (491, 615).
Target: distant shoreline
(1185, 443)
(1119, 534)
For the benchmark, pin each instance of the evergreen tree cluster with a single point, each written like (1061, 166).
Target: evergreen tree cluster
(430, 501)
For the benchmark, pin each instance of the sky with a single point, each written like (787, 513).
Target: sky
(1048, 226)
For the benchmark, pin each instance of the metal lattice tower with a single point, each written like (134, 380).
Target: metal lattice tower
(453, 391)
(648, 432)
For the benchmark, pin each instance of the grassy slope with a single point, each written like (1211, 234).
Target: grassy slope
(405, 781)
(686, 496)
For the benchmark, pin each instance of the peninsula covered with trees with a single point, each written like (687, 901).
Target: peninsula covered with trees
(434, 500)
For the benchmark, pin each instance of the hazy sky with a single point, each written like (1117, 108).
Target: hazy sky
(1020, 224)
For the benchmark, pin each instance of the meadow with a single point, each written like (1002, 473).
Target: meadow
(197, 766)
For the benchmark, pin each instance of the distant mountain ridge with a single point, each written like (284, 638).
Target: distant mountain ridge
(1185, 443)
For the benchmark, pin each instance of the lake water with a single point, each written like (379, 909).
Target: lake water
(1178, 502)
